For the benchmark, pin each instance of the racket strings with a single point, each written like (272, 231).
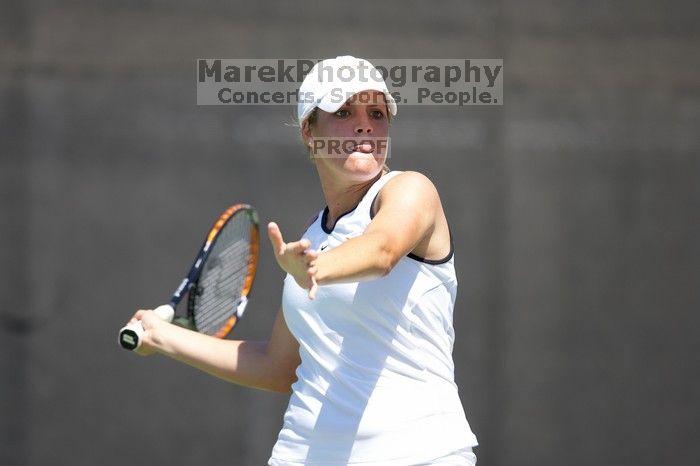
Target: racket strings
(214, 310)
(228, 283)
(224, 276)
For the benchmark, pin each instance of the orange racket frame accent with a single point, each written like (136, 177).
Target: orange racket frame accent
(252, 261)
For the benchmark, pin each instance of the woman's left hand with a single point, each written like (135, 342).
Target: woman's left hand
(295, 258)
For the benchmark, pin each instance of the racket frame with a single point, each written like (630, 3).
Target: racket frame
(195, 271)
(129, 336)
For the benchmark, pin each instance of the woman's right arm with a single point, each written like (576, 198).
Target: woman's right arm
(266, 365)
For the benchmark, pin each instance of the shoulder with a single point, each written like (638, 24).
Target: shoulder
(410, 180)
(408, 187)
(410, 184)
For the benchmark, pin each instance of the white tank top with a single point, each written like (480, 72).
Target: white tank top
(376, 380)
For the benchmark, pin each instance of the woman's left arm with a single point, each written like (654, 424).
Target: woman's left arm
(406, 211)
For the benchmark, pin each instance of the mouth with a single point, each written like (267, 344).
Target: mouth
(366, 147)
(332, 147)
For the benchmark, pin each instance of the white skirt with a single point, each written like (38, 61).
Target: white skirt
(463, 457)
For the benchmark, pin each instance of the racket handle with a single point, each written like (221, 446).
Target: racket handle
(130, 335)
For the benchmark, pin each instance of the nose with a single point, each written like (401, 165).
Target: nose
(363, 125)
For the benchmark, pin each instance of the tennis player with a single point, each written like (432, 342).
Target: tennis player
(364, 337)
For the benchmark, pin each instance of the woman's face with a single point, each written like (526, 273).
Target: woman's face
(353, 141)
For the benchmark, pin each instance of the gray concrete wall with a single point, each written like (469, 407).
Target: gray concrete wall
(574, 207)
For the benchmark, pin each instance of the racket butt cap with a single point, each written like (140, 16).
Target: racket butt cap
(130, 336)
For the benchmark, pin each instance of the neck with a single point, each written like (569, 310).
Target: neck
(342, 197)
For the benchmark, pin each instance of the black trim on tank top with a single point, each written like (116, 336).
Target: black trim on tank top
(435, 262)
(324, 219)
(414, 256)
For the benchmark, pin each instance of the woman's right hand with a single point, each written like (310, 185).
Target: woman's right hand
(151, 324)
(295, 258)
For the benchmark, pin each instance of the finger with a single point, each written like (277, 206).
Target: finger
(138, 316)
(310, 256)
(311, 273)
(273, 231)
(313, 289)
(299, 247)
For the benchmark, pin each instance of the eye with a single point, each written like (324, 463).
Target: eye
(377, 114)
(342, 113)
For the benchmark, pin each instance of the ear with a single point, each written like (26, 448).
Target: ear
(306, 135)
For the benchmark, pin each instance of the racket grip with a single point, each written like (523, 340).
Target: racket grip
(130, 335)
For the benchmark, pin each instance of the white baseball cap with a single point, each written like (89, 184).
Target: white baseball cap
(331, 82)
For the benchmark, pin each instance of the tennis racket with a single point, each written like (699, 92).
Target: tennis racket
(219, 282)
